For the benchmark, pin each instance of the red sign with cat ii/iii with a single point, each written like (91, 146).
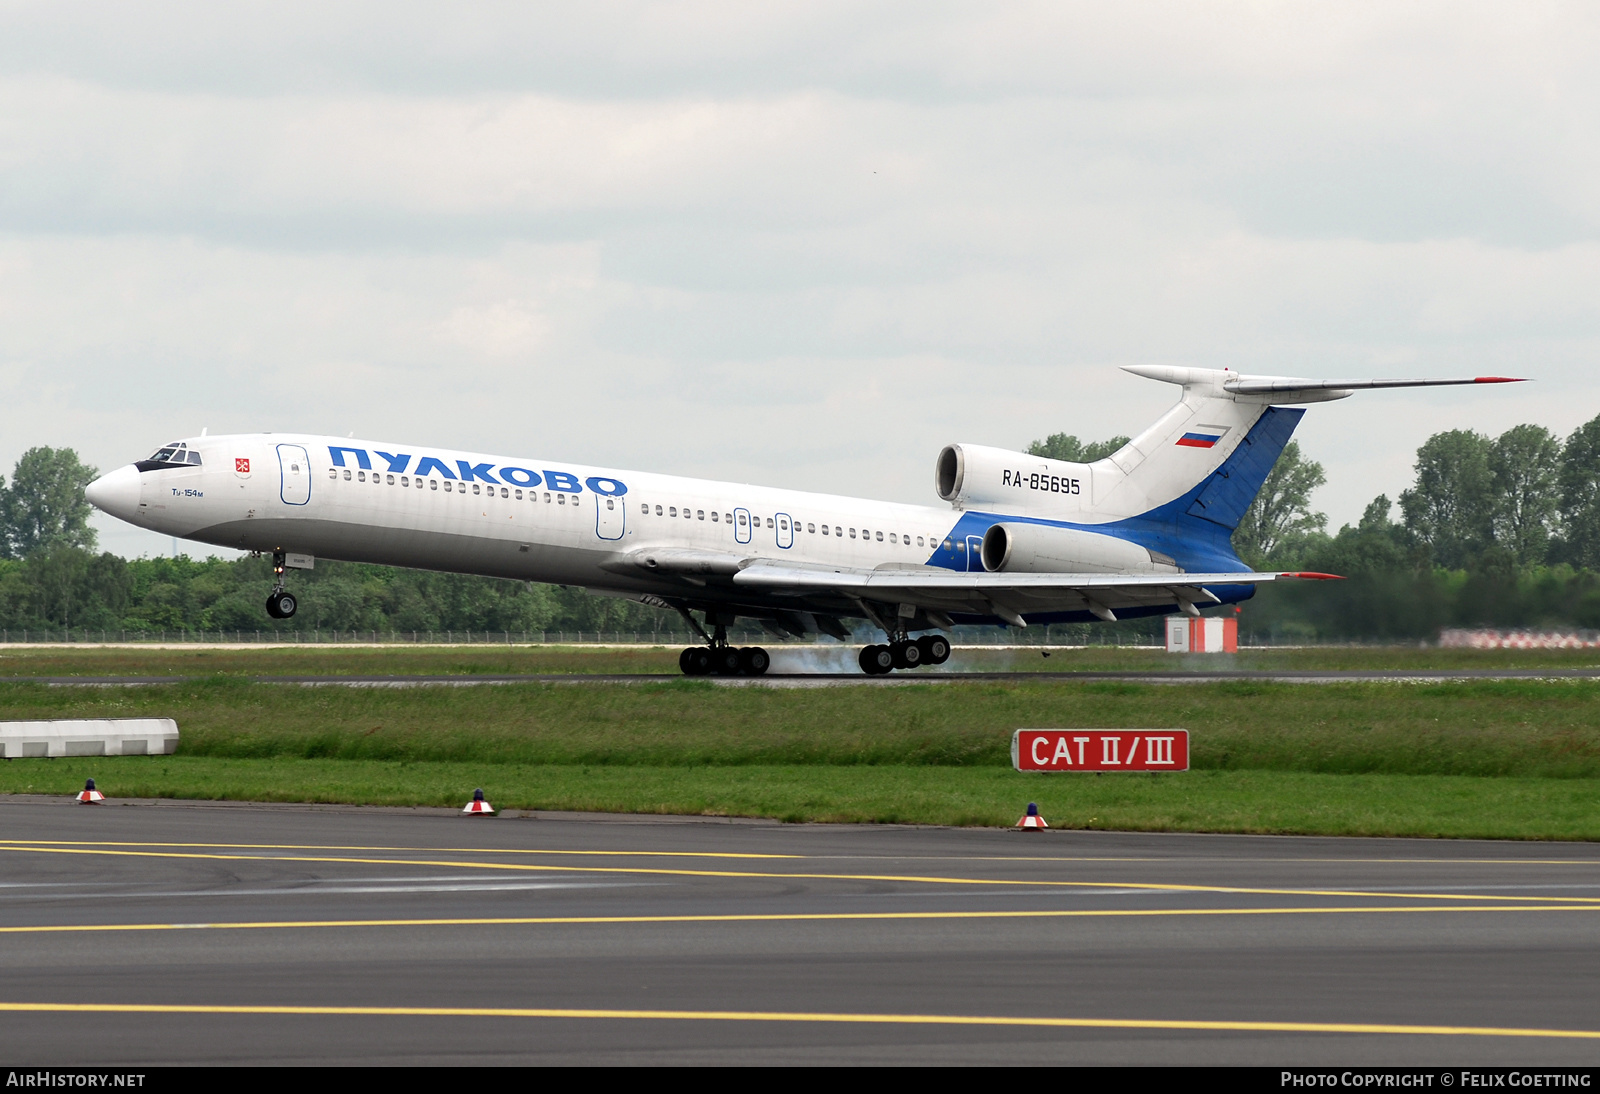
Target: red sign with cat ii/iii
(1100, 750)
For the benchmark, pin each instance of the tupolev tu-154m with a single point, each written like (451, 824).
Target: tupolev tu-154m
(1019, 539)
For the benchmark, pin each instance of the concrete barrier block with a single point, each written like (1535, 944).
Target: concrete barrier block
(89, 737)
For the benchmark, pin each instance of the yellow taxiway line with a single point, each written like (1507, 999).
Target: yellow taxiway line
(779, 917)
(920, 879)
(804, 1016)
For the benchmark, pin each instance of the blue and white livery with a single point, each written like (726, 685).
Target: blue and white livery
(1019, 538)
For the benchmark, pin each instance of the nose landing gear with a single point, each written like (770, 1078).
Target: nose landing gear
(281, 603)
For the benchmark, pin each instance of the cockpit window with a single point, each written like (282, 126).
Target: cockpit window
(176, 454)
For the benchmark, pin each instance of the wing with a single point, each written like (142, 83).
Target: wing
(1009, 596)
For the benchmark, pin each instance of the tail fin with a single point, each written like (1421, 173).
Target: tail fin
(1183, 485)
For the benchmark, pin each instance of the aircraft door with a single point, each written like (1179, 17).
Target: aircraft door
(294, 468)
(785, 531)
(975, 553)
(741, 526)
(610, 517)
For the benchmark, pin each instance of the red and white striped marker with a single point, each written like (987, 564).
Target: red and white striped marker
(477, 807)
(90, 796)
(1032, 819)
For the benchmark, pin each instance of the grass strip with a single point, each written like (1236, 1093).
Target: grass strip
(1263, 802)
(1523, 728)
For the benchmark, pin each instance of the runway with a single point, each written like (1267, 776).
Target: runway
(841, 679)
(153, 933)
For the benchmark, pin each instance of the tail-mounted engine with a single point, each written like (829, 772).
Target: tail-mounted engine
(970, 474)
(1041, 549)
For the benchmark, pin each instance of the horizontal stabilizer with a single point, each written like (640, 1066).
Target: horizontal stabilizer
(1268, 385)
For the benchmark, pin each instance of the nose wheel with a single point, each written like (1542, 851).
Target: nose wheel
(281, 603)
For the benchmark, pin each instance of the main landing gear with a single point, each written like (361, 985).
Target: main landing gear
(717, 658)
(905, 653)
(281, 603)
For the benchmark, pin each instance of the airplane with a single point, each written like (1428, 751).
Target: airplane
(1020, 539)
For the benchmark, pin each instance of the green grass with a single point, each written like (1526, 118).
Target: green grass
(407, 659)
(1202, 801)
(1512, 759)
(1521, 728)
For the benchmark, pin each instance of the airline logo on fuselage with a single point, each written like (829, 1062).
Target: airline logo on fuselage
(399, 463)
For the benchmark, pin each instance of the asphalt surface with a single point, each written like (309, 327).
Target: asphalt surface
(439, 939)
(839, 679)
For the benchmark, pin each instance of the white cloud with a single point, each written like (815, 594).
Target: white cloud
(805, 244)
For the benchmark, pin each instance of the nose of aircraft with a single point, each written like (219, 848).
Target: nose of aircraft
(116, 492)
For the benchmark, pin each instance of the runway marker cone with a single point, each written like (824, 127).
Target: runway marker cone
(90, 795)
(477, 807)
(1033, 819)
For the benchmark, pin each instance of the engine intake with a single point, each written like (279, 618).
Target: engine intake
(1042, 549)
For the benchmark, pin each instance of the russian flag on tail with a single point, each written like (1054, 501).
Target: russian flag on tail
(1199, 440)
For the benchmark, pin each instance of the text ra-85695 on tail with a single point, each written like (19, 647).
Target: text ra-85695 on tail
(1016, 538)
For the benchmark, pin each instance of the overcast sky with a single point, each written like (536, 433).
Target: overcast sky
(800, 244)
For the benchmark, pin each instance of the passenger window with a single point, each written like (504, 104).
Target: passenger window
(824, 529)
(658, 510)
(741, 520)
(475, 489)
(701, 513)
(852, 533)
(783, 525)
(360, 475)
(610, 504)
(389, 479)
(574, 499)
(891, 537)
(433, 484)
(769, 522)
(519, 495)
(547, 497)
(561, 499)
(728, 517)
(405, 480)
(347, 476)
(448, 486)
(333, 472)
(504, 493)
(880, 537)
(811, 529)
(672, 511)
(919, 541)
(837, 530)
(713, 516)
(646, 508)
